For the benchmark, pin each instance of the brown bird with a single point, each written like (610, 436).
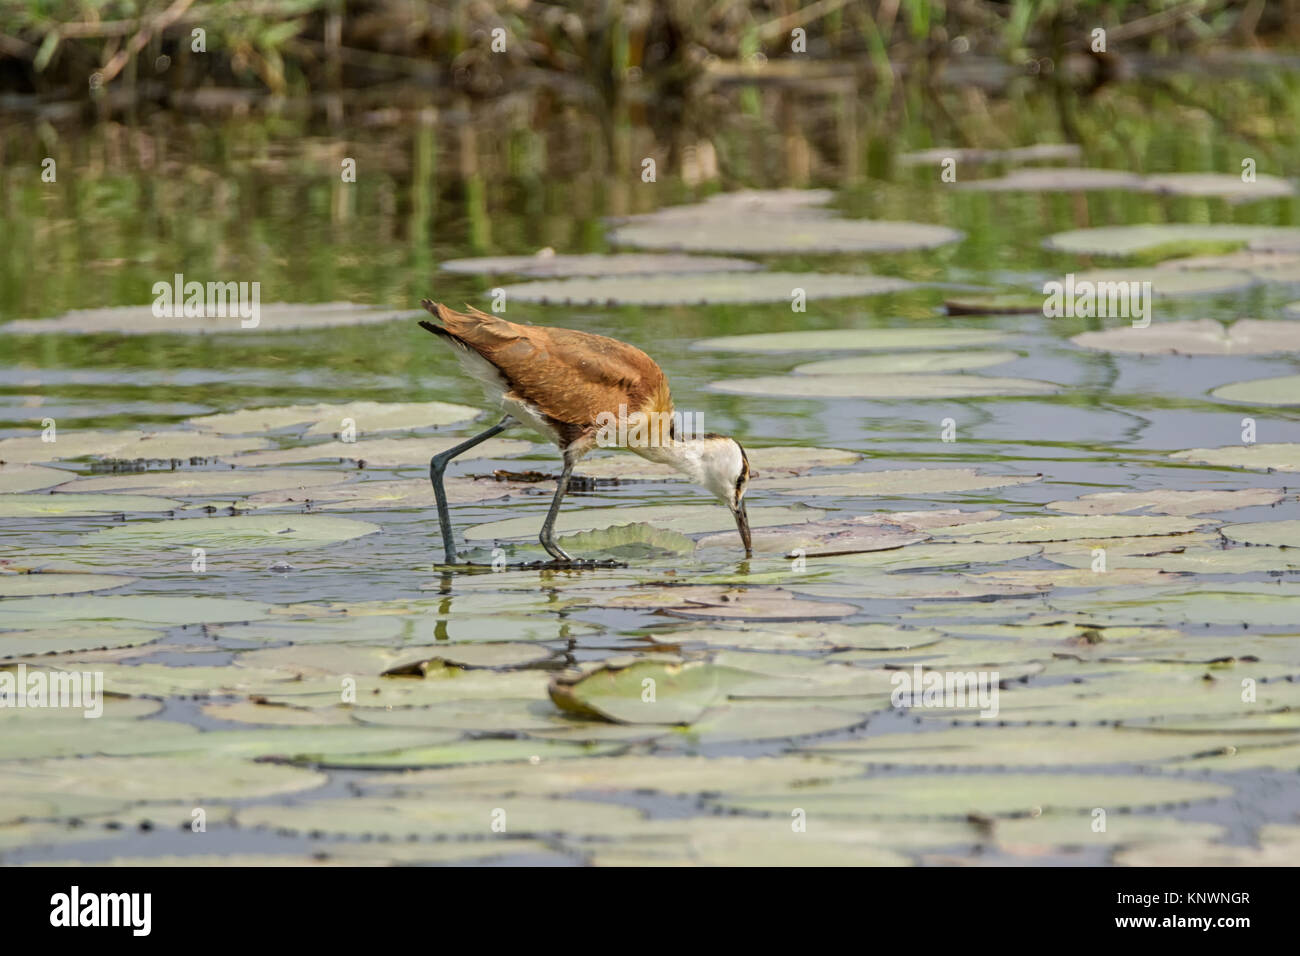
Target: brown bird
(579, 391)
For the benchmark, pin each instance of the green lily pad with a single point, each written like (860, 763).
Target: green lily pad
(821, 538)
(1284, 390)
(192, 484)
(1009, 530)
(851, 339)
(64, 639)
(464, 752)
(907, 482)
(703, 288)
(368, 417)
(384, 452)
(1201, 554)
(1008, 303)
(1023, 747)
(1229, 186)
(1267, 457)
(1163, 501)
(399, 818)
(922, 587)
(240, 532)
(687, 519)
(126, 445)
(109, 610)
(1197, 337)
(140, 320)
(752, 721)
(750, 234)
(17, 478)
(630, 540)
(27, 585)
(70, 505)
(882, 386)
(1278, 534)
(1128, 240)
(1252, 603)
(991, 795)
(1205, 853)
(548, 264)
(645, 692)
(1056, 179)
(382, 659)
(1164, 282)
(906, 363)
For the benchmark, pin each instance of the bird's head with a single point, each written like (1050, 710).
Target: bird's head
(719, 465)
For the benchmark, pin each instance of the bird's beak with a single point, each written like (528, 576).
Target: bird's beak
(742, 525)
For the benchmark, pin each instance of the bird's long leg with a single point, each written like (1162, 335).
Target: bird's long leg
(438, 464)
(548, 527)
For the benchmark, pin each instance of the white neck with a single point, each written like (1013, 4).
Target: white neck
(710, 462)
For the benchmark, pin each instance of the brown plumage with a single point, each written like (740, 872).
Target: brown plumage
(570, 377)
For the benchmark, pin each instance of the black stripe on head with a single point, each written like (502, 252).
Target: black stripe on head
(744, 471)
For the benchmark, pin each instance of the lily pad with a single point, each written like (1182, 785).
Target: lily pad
(1009, 303)
(1065, 528)
(703, 288)
(65, 639)
(126, 445)
(749, 233)
(1284, 390)
(109, 610)
(1278, 534)
(1229, 186)
(882, 386)
(368, 417)
(1163, 501)
(241, 532)
(992, 795)
(67, 505)
(1267, 457)
(1197, 337)
(377, 495)
(384, 452)
(194, 484)
(140, 320)
(906, 362)
(27, 585)
(18, 478)
(1128, 240)
(1164, 282)
(905, 482)
(687, 519)
(814, 340)
(645, 692)
(1056, 179)
(548, 264)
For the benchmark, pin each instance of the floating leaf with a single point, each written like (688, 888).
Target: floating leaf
(1010, 303)
(26, 585)
(65, 505)
(58, 639)
(1128, 240)
(367, 417)
(638, 540)
(1163, 501)
(1269, 457)
(749, 234)
(908, 482)
(851, 339)
(1229, 186)
(1114, 288)
(1280, 534)
(1252, 603)
(906, 362)
(126, 445)
(1056, 179)
(464, 752)
(703, 288)
(140, 320)
(193, 484)
(24, 613)
(992, 795)
(1202, 554)
(1284, 390)
(1070, 527)
(1197, 337)
(687, 519)
(677, 692)
(376, 495)
(240, 532)
(552, 265)
(17, 478)
(384, 452)
(817, 539)
(882, 386)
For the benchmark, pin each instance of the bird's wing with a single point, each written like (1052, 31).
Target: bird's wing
(571, 376)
